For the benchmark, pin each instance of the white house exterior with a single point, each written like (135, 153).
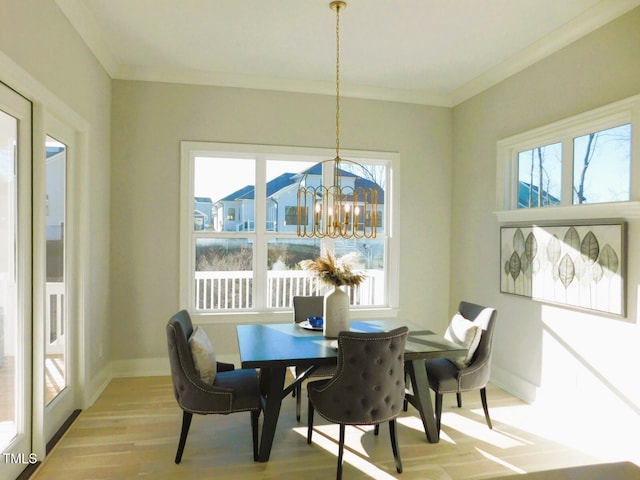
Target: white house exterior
(56, 167)
(236, 211)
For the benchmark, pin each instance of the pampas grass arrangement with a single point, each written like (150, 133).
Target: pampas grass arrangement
(335, 271)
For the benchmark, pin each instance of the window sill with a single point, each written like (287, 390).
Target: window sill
(599, 211)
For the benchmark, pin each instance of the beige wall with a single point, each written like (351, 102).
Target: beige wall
(542, 350)
(45, 60)
(150, 120)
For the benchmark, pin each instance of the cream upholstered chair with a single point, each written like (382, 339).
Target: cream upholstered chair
(231, 391)
(303, 308)
(447, 376)
(367, 388)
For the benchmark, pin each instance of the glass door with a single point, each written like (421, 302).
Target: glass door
(55, 311)
(53, 236)
(15, 283)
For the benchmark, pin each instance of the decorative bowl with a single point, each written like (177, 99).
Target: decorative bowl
(315, 322)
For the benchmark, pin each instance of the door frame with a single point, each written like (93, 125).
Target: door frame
(54, 414)
(19, 107)
(46, 102)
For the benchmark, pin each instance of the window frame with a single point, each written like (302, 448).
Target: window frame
(564, 132)
(189, 150)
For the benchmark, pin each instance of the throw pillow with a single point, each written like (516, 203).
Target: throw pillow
(482, 320)
(204, 356)
(465, 333)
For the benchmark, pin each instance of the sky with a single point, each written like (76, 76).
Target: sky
(237, 173)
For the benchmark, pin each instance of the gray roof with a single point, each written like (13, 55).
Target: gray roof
(286, 179)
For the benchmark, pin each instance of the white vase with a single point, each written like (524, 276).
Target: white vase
(336, 312)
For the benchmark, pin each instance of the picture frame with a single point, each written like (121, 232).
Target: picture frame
(581, 265)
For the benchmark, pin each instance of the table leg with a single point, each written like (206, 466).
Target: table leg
(272, 385)
(421, 398)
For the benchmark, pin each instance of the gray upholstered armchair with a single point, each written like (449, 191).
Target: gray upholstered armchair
(447, 377)
(367, 387)
(232, 390)
(303, 308)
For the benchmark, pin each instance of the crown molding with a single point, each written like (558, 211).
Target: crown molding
(262, 82)
(90, 32)
(86, 25)
(594, 18)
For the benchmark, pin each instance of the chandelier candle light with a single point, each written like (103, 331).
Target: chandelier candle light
(343, 209)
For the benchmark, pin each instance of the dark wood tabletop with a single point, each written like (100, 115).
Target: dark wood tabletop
(288, 344)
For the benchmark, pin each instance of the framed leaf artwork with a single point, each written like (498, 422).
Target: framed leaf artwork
(581, 265)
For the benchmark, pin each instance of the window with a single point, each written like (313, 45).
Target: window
(602, 166)
(291, 214)
(583, 160)
(242, 252)
(539, 176)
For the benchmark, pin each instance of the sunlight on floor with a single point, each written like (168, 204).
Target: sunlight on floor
(499, 461)
(608, 436)
(516, 427)
(326, 437)
(478, 430)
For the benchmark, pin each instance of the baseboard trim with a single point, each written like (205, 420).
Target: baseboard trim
(97, 385)
(62, 430)
(513, 384)
(153, 367)
(141, 367)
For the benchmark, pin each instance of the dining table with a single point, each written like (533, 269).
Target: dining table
(273, 348)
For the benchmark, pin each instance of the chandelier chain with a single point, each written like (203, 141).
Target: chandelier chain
(335, 210)
(338, 82)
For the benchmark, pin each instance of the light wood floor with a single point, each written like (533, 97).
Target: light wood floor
(54, 369)
(132, 431)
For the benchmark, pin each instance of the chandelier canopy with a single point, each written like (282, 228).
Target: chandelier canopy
(340, 199)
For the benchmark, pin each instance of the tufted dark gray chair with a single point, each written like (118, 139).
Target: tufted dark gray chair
(303, 308)
(232, 390)
(367, 387)
(446, 377)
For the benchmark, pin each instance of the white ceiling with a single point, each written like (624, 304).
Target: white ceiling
(436, 52)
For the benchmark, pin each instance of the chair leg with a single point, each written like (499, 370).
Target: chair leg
(459, 399)
(186, 423)
(298, 395)
(483, 397)
(254, 431)
(438, 410)
(309, 421)
(405, 403)
(340, 452)
(394, 445)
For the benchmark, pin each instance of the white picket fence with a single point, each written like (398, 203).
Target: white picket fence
(234, 290)
(54, 317)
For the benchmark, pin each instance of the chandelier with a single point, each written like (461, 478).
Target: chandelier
(338, 198)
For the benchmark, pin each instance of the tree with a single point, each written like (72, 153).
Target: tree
(617, 137)
(543, 196)
(586, 161)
